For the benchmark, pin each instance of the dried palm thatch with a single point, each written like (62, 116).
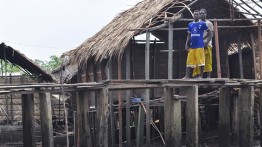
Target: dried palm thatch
(115, 36)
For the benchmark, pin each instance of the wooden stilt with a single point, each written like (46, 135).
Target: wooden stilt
(147, 92)
(128, 95)
(46, 120)
(170, 49)
(140, 127)
(246, 108)
(217, 49)
(102, 118)
(173, 132)
(260, 109)
(235, 119)
(192, 116)
(28, 120)
(240, 58)
(224, 117)
(83, 118)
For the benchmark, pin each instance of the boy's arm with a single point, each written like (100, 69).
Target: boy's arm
(187, 41)
(209, 36)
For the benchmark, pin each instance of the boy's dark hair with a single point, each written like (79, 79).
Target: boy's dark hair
(196, 11)
(203, 10)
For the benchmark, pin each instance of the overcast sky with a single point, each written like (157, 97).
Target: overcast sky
(41, 28)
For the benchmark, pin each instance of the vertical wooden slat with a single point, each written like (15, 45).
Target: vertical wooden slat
(170, 49)
(84, 123)
(140, 127)
(240, 58)
(246, 106)
(260, 109)
(119, 95)
(112, 142)
(172, 114)
(235, 119)
(192, 116)
(148, 116)
(147, 93)
(102, 118)
(147, 48)
(259, 45)
(46, 119)
(217, 49)
(224, 117)
(254, 54)
(83, 104)
(128, 94)
(28, 120)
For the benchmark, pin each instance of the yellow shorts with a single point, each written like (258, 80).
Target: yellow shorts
(208, 61)
(195, 57)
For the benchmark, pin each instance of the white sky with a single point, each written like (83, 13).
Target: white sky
(41, 28)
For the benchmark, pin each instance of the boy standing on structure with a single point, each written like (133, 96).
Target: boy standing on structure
(195, 45)
(207, 47)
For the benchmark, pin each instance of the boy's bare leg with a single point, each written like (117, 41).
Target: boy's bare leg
(201, 71)
(208, 74)
(188, 71)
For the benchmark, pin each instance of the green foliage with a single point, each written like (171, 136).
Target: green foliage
(8, 68)
(50, 65)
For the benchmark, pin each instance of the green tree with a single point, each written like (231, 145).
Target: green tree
(50, 65)
(7, 67)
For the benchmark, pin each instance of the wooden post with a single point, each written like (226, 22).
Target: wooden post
(119, 95)
(227, 59)
(240, 58)
(128, 94)
(83, 103)
(224, 117)
(46, 119)
(102, 118)
(217, 49)
(260, 109)
(235, 119)
(140, 127)
(254, 54)
(173, 132)
(246, 108)
(147, 93)
(147, 47)
(170, 49)
(192, 116)
(259, 45)
(28, 120)
(111, 104)
(83, 119)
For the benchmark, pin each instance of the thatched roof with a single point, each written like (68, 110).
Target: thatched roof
(15, 57)
(115, 36)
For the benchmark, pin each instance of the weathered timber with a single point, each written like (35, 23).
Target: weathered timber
(102, 118)
(173, 132)
(83, 119)
(235, 119)
(224, 117)
(240, 58)
(192, 116)
(170, 50)
(246, 108)
(217, 49)
(140, 127)
(46, 120)
(128, 95)
(147, 92)
(28, 120)
(260, 109)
